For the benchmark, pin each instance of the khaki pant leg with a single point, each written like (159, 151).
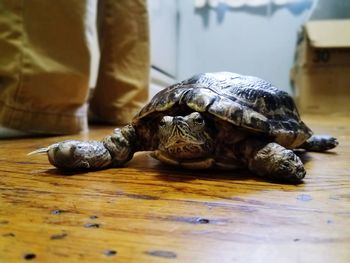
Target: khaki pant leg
(123, 79)
(44, 65)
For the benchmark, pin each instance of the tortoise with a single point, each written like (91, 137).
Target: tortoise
(211, 120)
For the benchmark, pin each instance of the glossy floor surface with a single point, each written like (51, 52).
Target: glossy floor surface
(148, 212)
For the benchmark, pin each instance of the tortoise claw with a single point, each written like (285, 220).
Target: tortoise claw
(43, 150)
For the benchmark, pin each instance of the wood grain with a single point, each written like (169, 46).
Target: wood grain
(147, 212)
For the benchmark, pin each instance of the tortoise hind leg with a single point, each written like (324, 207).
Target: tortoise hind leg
(319, 143)
(113, 150)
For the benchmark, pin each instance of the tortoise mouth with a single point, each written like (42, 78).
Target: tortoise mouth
(181, 142)
(187, 151)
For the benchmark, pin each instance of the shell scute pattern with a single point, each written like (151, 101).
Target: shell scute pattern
(245, 101)
(227, 110)
(163, 101)
(199, 99)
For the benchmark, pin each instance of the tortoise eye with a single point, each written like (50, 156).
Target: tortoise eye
(199, 120)
(162, 123)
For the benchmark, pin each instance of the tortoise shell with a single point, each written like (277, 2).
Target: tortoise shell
(243, 101)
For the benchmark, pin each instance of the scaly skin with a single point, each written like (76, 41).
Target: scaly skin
(113, 151)
(79, 155)
(320, 143)
(272, 160)
(187, 141)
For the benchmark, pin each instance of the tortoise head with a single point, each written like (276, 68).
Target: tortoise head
(185, 137)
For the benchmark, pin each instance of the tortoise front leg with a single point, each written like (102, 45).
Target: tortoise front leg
(113, 150)
(121, 145)
(272, 160)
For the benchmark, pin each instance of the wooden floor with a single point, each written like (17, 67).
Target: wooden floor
(147, 212)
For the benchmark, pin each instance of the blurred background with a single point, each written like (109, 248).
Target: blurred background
(254, 37)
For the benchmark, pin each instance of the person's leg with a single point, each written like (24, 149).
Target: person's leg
(44, 66)
(122, 83)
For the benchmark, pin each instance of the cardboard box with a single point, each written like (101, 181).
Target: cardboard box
(321, 72)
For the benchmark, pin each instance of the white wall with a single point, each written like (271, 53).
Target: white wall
(335, 9)
(163, 33)
(252, 41)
